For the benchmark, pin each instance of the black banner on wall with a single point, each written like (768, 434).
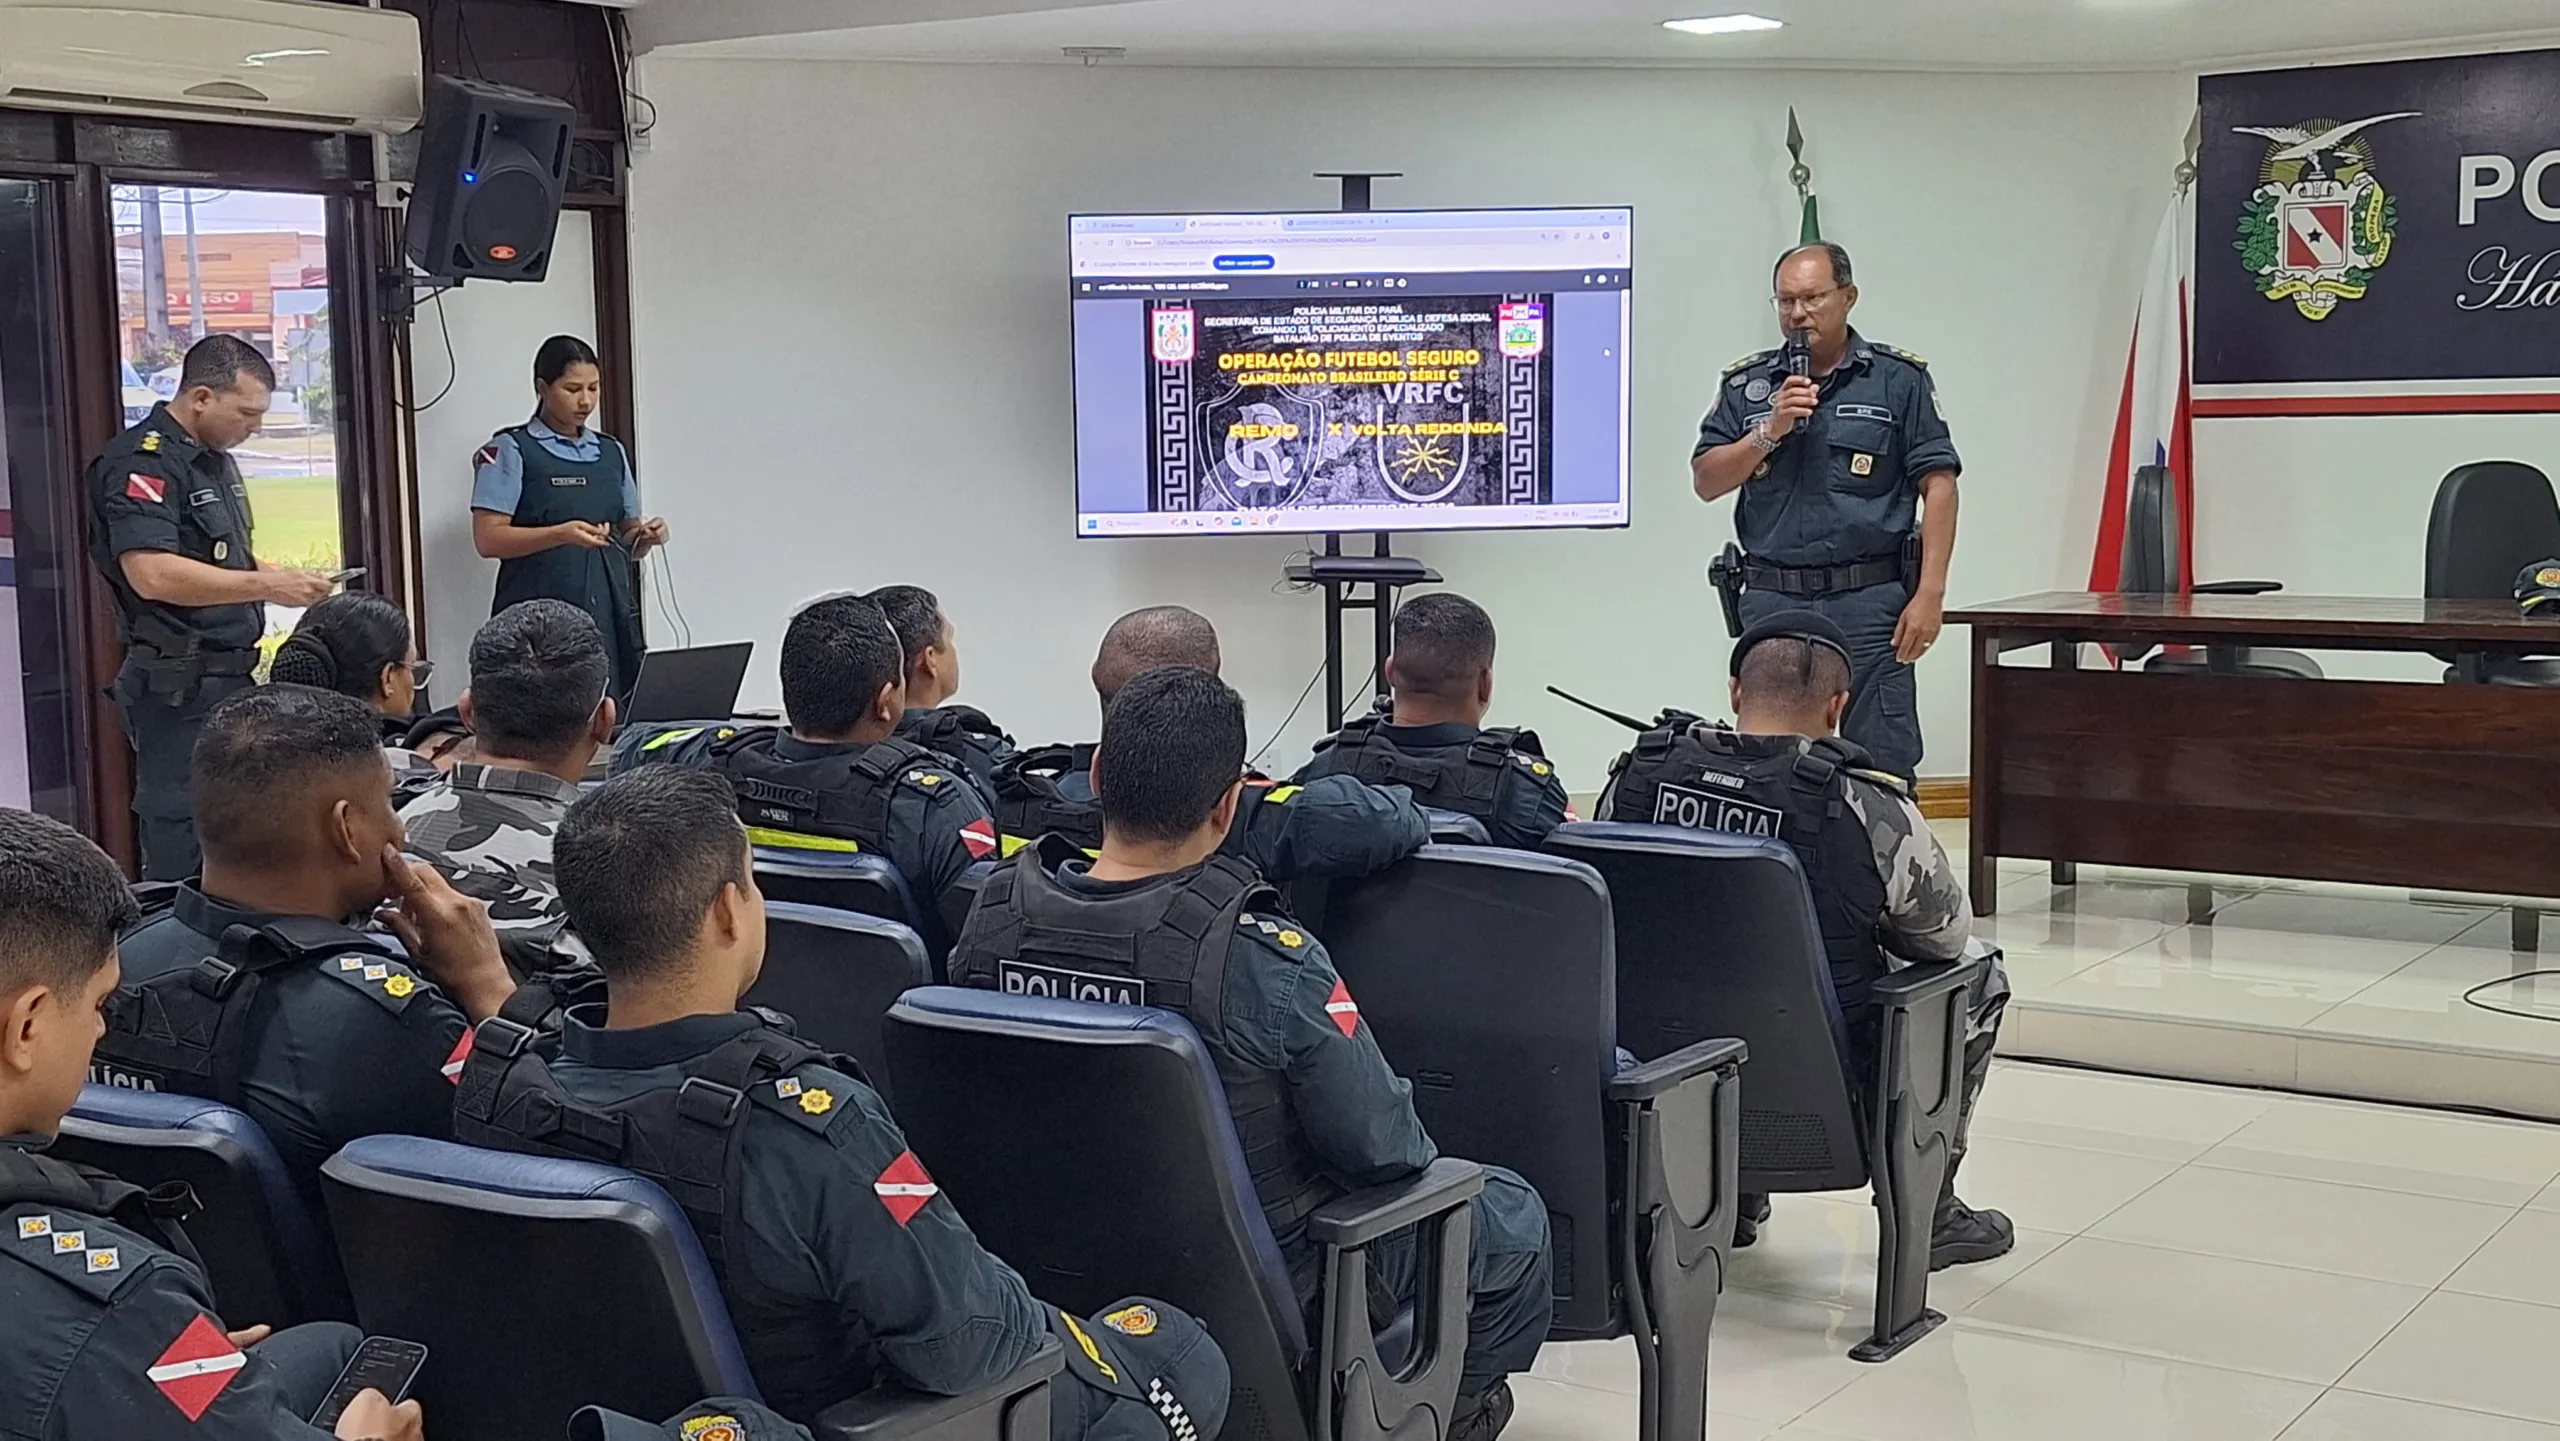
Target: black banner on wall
(2380, 239)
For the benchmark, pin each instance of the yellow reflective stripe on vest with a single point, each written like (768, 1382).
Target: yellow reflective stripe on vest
(657, 742)
(799, 841)
(1279, 795)
(1007, 845)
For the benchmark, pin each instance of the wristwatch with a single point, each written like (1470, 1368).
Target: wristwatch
(1761, 440)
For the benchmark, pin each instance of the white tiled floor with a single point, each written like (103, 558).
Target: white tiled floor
(2338, 990)
(2196, 1263)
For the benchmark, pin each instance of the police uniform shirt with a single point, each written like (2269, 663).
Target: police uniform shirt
(1287, 1011)
(497, 476)
(335, 1050)
(874, 1266)
(1844, 485)
(1925, 917)
(113, 1336)
(1533, 805)
(488, 830)
(154, 489)
(1329, 826)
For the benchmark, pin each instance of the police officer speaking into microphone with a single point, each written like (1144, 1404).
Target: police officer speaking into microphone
(169, 529)
(1848, 493)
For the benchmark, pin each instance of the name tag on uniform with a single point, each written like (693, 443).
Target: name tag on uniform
(1021, 978)
(1864, 412)
(1706, 811)
(568, 480)
(204, 497)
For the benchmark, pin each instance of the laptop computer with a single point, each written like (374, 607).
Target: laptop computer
(700, 683)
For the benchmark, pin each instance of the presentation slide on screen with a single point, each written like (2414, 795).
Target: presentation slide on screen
(1397, 370)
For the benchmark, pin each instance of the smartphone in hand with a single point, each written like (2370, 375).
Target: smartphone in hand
(383, 1363)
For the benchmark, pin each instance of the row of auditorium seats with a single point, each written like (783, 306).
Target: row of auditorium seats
(1616, 985)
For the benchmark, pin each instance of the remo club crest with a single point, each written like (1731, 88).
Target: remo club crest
(2319, 224)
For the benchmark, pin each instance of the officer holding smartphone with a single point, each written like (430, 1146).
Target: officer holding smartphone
(169, 529)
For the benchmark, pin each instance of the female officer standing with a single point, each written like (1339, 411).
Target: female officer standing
(556, 505)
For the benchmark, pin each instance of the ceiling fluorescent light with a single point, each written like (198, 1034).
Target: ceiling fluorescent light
(1723, 24)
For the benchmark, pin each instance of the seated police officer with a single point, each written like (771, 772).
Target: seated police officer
(1881, 884)
(1434, 741)
(538, 711)
(252, 989)
(1335, 826)
(1317, 1109)
(112, 1334)
(842, 1265)
(838, 779)
(962, 735)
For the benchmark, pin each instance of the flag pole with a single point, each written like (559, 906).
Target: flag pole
(1809, 211)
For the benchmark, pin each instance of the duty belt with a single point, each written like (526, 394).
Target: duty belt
(1820, 579)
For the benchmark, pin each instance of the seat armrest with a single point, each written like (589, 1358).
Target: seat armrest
(1664, 1073)
(1923, 981)
(890, 1410)
(2237, 587)
(1365, 1215)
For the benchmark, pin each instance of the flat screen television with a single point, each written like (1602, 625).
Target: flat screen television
(1362, 371)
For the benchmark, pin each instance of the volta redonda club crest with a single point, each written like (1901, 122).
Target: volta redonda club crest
(2319, 224)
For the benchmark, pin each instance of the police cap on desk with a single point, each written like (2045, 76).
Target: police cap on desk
(1803, 625)
(2538, 589)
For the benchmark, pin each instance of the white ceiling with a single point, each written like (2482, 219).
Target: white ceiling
(1886, 34)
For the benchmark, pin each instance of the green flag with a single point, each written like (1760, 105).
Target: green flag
(1809, 229)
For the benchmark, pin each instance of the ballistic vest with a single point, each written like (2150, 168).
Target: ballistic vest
(1029, 803)
(1710, 778)
(962, 736)
(843, 795)
(1475, 781)
(186, 1030)
(1162, 945)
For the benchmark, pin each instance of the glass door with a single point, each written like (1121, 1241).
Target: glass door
(253, 264)
(41, 562)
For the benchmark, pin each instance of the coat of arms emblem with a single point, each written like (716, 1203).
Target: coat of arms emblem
(2319, 224)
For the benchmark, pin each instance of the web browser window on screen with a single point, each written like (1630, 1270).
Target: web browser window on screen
(1361, 371)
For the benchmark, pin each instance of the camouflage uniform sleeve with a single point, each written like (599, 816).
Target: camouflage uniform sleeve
(1925, 918)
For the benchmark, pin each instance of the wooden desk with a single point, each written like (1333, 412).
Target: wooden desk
(2434, 786)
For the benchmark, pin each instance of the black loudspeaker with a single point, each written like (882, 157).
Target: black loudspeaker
(491, 167)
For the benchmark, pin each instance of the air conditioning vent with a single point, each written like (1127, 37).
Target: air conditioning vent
(291, 63)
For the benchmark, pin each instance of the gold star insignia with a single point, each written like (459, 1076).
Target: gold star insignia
(1291, 939)
(399, 986)
(816, 1101)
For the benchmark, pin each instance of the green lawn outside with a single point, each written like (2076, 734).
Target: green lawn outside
(296, 521)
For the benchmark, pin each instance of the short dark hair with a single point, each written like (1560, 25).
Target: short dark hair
(1143, 640)
(538, 671)
(557, 354)
(915, 614)
(62, 904)
(263, 757)
(218, 362)
(836, 655)
(1172, 743)
(1841, 270)
(1791, 674)
(1442, 642)
(640, 858)
(343, 643)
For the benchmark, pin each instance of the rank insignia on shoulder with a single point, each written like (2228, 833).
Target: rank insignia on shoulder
(1898, 353)
(924, 778)
(103, 1259)
(787, 1087)
(65, 1242)
(1291, 939)
(1753, 358)
(151, 442)
(817, 1100)
(32, 1227)
(376, 972)
(350, 963)
(1133, 1321)
(398, 985)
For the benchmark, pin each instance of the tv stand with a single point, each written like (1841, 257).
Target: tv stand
(1357, 582)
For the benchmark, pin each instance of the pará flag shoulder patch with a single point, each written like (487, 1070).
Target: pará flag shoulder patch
(487, 455)
(197, 1368)
(905, 1188)
(452, 1067)
(1344, 1011)
(149, 489)
(980, 838)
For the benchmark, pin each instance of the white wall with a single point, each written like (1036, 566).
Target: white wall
(852, 309)
(495, 329)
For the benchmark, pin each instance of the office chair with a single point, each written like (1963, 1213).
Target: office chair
(2491, 519)
(2152, 564)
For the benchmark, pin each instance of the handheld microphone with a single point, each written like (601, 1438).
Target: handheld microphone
(1800, 353)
